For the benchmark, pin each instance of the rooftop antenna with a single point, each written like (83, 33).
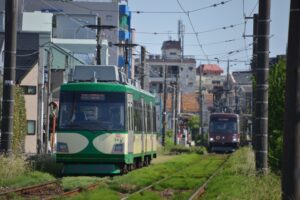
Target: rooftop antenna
(169, 35)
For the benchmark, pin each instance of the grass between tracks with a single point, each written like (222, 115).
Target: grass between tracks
(238, 180)
(189, 171)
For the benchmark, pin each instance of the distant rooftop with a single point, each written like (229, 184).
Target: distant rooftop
(171, 44)
(210, 69)
(242, 77)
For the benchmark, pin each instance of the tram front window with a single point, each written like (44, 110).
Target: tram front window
(92, 111)
(223, 127)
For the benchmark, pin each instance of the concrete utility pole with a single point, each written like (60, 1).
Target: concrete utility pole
(176, 108)
(126, 45)
(254, 65)
(99, 27)
(173, 85)
(164, 119)
(48, 99)
(200, 106)
(11, 15)
(98, 39)
(262, 87)
(143, 60)
(41, 92)
(291, 143)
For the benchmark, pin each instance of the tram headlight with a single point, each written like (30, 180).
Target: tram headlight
(62, 147)
(211, 139)
(235, 138)
(118, 148)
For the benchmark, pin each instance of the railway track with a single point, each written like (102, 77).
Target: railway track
(40, 191)
(200, 191)
(194, 195)
(47, 191)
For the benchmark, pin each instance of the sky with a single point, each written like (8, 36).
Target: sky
(209, 22)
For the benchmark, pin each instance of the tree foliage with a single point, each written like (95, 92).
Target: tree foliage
(193, 124)
(277, 79)
(20, 125)
(19, 128)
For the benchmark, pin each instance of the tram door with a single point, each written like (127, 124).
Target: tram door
(130, 123)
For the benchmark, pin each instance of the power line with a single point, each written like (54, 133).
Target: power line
(191, 23)
(191, 33)
(203, 44)
(152, 12)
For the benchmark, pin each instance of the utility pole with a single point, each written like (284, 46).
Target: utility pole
(143, 59)
(164, 109)
(172, 85)
(254, 65)
(99, 27)
(227, 87)
(176, 108)
(262, 87)
(200, 107)
(41, 87)
(49, 98)
(11, 15)
(98, 39)
(291, 144)
(126, 45)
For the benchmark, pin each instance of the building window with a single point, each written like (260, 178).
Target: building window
(30, 127)
(29, 89)
(109, 18)
(173, 53)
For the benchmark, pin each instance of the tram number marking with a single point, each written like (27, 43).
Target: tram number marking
(119, 139)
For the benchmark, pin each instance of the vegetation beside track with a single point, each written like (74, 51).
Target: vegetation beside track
(238, 180)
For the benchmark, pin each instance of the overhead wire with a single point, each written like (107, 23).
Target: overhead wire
(203, 44)
(191, 33)
(191, 23)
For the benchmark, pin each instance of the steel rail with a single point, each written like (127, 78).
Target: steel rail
(161, 180)
(200, 191)
(30, 189)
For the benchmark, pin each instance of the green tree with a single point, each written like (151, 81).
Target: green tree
(193, 124)
(277, 79)
(19, 129)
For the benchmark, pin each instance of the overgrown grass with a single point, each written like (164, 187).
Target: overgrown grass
(18, 172)
(27, 179)
(46, 163)
(11, 167)
(238, 180)
(188, 172)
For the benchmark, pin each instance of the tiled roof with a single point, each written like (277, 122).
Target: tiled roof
(210, 69)
(171, 44)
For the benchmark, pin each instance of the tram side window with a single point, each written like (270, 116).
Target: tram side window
(137, 116)
(148, 119)
(154, 119)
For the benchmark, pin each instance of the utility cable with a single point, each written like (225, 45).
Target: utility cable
(191, 23)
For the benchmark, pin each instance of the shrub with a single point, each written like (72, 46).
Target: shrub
(45, 163)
